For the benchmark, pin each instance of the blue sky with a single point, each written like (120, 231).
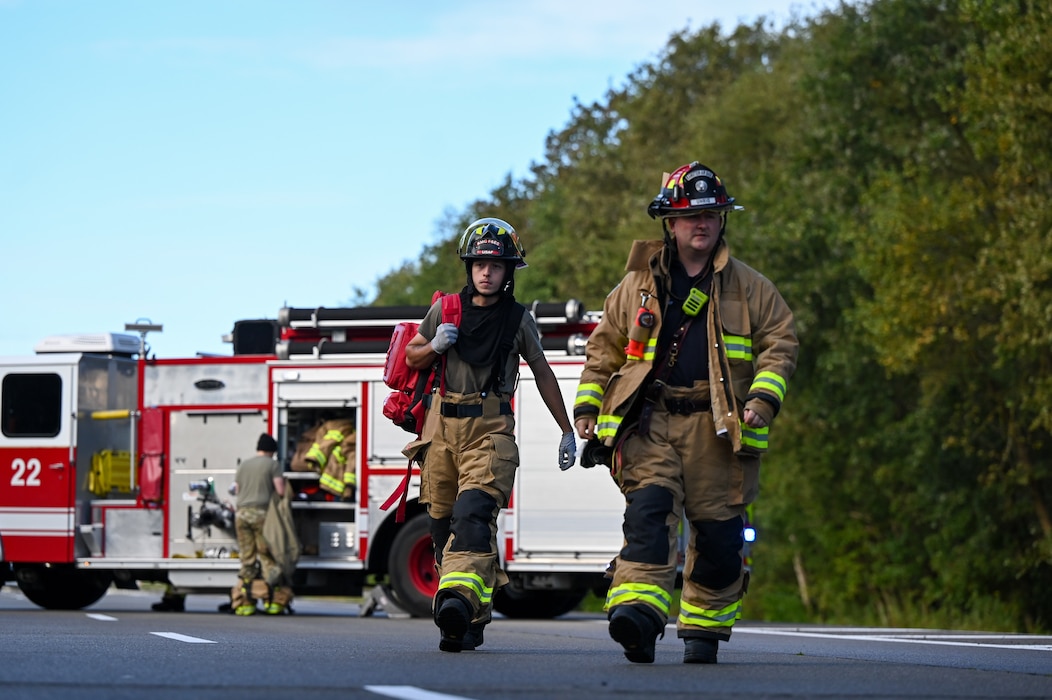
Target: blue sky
(197, 162)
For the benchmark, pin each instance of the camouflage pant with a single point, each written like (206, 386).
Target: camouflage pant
(251, 545)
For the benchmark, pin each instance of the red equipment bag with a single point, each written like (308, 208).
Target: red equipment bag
(405, 405)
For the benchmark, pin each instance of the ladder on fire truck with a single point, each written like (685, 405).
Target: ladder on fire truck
(342, 332)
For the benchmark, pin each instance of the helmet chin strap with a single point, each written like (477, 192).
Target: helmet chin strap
(670, 240)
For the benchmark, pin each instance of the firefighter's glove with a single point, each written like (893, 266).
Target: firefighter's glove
(567, 451)
(445, 336)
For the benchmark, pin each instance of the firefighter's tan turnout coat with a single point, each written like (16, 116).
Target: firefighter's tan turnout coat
(329, 449)
(753, 348)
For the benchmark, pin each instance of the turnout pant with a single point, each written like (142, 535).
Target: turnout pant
(681, 470)
(466, 478)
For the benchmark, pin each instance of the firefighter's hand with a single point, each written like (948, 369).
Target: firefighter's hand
(753, 419)
(445, 336)
(567, 451)
(586, 427)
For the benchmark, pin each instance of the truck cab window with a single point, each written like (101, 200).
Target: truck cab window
(31, 405)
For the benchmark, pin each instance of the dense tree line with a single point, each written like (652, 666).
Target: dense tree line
(894, 159)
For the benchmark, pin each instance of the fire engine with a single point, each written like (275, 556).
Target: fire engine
(115, 466)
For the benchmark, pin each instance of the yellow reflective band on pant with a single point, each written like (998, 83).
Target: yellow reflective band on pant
(331, 483)
(465, 579)
(337, 454)
(350, 478)
(693, 616)
(755, 438)
(591, 394)
(315, 454)
(738, 347)
(607, 426)
(626, 593)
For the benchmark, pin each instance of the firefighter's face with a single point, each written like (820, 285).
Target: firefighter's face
(488, 276)
(696, 234)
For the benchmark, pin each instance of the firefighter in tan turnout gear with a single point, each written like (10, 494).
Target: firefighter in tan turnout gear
(683, 377)
(471, 457)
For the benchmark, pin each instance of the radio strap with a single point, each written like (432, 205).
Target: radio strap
(654, 391)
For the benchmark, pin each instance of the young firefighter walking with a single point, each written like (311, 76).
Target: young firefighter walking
(471, 457)
(683, 376)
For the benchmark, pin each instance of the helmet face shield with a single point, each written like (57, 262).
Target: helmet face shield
(691, 189)
(491, 239)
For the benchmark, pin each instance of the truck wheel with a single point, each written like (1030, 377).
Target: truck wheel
(522, 604)
(411, 567)
(62, 588)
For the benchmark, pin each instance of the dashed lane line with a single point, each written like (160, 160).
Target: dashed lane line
(183, 638)
(409, 692)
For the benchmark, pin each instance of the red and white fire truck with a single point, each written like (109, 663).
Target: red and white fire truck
(115, 466)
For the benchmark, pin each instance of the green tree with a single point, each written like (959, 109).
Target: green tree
(893, 158)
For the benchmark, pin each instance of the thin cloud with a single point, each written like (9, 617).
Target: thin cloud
(469, 37)
(535, 30)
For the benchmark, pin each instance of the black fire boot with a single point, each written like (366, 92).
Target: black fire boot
(473, 638)
(636, 628)
(700, 650)
(170, 603)
(453, 617)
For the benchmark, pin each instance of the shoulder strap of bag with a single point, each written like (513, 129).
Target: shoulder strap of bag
(508, 331)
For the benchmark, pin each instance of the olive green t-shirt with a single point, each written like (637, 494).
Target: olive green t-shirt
(464, 378)
(255, 481)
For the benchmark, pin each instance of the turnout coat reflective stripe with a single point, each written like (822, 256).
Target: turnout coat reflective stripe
(752, 350)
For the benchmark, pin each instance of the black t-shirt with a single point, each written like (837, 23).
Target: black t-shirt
(692, 363)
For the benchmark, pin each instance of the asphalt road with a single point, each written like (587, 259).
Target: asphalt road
(119, 648)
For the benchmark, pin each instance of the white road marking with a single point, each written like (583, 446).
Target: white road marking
(911, 637)
(100, 616)
(183, 638)
(409, 692)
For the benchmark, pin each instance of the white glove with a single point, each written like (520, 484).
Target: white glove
(445, 335)
(567, 451)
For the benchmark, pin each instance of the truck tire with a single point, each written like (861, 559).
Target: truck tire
(539, 605)
(411, 567)
(62, 588)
